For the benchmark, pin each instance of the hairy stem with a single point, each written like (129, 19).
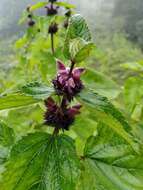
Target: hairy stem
(71, 68)
(56, 131)
(52, 43)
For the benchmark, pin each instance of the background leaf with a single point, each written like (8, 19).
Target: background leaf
(38, 5)
(65, 4)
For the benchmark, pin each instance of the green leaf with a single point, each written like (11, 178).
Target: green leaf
(16, 100)
(111, 163)
(37, 90)
(65, 4)
(38, 6)
(6, 135)
(104, 111)
(41, 162)
(30, 94)
(84, 52)
(101, 83)
(79, 49)
(21, 42)
(4, 152)
(77, 29)
(134, 66)
(133, 93)
(23, 17)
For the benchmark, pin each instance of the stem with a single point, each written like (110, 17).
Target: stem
(63, 103)
(71, 69)
(52, 43)
(56, 131)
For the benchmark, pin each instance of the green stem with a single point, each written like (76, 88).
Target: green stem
(52, 44)
(56, 131)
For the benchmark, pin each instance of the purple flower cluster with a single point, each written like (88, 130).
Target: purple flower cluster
(58, 116)
(67, 82)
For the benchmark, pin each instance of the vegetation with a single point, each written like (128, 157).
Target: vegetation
(71, 109)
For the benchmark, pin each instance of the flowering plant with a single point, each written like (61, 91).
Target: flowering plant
(51, 156)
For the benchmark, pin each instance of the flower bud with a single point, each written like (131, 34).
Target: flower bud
(31, 23)
(68, 13)
(66, 23)
(53, 28)
(51, 10)
(52, 1)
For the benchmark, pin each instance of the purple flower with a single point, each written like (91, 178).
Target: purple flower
(68, 82)
(59, 117)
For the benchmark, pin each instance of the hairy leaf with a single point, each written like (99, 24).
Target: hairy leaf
(41, 162)
(77, 29)
(6, 135)
(80, 49)
(104, 111)
(101, 83)
(4, 152)
(111, 163)
(133, 93)
(15, 101)
(84, 52)
(37, 90)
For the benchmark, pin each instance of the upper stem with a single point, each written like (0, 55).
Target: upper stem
(71, 68)
(52, 43)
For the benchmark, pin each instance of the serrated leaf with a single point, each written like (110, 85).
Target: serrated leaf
(101, 83)
(6, 135)
(38, 6)
(4, 152)
(29, 94)
(16, 100)
(37, 90)
(65, 4)
(77, 29)
(104, 111)
(112, 163)
(133, 93)
(41, 162)
(84, 52)
(79, 49)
